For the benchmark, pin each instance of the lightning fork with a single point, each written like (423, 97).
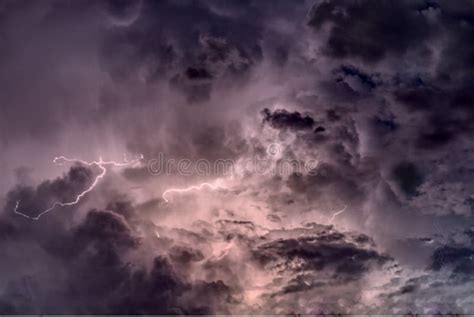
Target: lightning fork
(337, 213)
(100, 164)
(187, 189)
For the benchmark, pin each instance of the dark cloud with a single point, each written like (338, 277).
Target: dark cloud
(418, 99)
(370, 31)
(98, 278)
(408, 177)
(185, 255)
(282, 119)
(213, 45)
(354, 82)
(458, 257)
(328, 250)
(456, 254)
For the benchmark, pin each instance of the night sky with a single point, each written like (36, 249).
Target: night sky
(115, 114)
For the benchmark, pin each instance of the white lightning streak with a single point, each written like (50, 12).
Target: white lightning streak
(187, 189)
(100, 164)
(337, 213)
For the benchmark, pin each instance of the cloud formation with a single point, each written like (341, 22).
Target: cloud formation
(379, 94)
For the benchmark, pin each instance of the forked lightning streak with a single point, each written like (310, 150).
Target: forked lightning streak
(100, 164)
(194, 187)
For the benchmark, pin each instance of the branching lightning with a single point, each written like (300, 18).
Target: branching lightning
(100, 164)
(190, 188)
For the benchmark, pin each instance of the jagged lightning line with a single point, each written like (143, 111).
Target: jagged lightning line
(337, 213)
(194, 187)
(100, 164)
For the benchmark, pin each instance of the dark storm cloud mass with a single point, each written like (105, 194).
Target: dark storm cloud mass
(95, 272)
(372, 30)
(182, 53)
(282, 119)
(379, 93)
(316, 253)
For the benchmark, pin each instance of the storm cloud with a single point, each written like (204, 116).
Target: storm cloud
(377, 96)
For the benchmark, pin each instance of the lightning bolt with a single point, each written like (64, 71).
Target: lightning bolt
(190, 188)
(337, 213)
(100, 164)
